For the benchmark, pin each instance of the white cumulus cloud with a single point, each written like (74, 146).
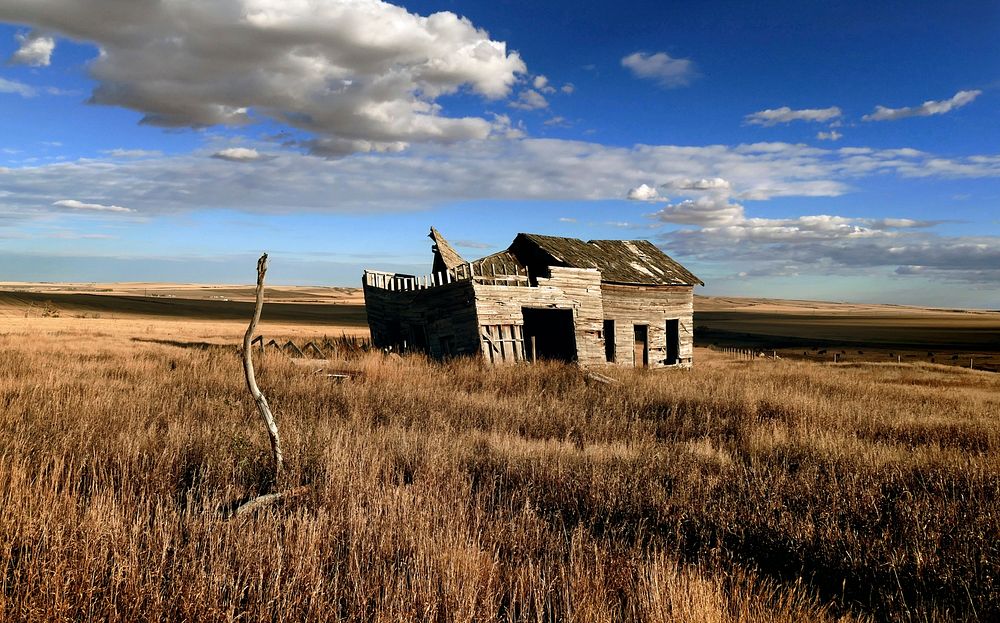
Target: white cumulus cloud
(530, 99)
(928, 108)
(666, 71)
(541, 83)
(238, 154)
(832, 135)
(360, 75)
(35, 49)
(643, 192)
(704, 211)
(714, 183)
(774, 116)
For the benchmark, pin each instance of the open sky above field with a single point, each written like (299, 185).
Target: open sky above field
(846, 151)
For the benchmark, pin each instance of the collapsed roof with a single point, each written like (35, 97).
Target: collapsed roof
(636, 262)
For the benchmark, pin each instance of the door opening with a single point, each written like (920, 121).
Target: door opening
(640, 349)
(609, 341)
(673, 341)
(551, 331)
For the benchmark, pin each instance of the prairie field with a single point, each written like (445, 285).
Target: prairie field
(768, 490)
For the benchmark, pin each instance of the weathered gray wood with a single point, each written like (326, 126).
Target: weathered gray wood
(296, 349)
(652, 306)
(316, 349)
(258, 396)
(263, 501)
(483, 314)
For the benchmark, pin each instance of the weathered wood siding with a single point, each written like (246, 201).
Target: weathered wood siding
(440, 320)
(451, 319)
(651, 306)
(577, 289)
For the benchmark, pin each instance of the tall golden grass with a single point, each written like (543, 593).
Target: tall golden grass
(739, 491)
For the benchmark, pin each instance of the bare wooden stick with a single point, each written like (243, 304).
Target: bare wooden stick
(265, 411)
(269, 499)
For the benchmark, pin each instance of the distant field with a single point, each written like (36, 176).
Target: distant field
(792, 329)
(196, 315)
(112, 305)
(818, 330)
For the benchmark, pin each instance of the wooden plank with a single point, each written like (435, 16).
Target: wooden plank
(291, 344)
(503, 346)
(316, 349)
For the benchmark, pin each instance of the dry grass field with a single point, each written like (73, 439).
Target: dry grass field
(739, 491)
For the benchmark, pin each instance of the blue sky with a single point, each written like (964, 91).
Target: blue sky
(844, 151)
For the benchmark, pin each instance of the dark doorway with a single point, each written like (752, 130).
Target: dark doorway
(640, 350)
(609, 341)
(549, 333)
(419, 338)
(673, 342)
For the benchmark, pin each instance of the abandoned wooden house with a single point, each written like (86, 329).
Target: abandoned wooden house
(619, 302)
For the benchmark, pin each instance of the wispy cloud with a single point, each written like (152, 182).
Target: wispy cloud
(96, 207)
(430, 175)
(17, 88)
(928, 108)
(774, 116)
(832, 135)
(661, 68)
(558, 122)
(715, 183)
(26, 90)
(71, 235)
(473, 244)
(133, 153)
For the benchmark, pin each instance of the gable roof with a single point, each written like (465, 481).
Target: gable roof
(620, 261)
(445, 256)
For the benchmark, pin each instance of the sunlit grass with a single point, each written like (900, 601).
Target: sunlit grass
(738, 491)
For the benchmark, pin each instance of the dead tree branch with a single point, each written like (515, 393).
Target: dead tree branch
(263, 501)
(265, 411)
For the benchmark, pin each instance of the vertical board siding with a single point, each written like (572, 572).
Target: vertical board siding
(446, 313)
(577, 289)
(503, 343)
(474, 317)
